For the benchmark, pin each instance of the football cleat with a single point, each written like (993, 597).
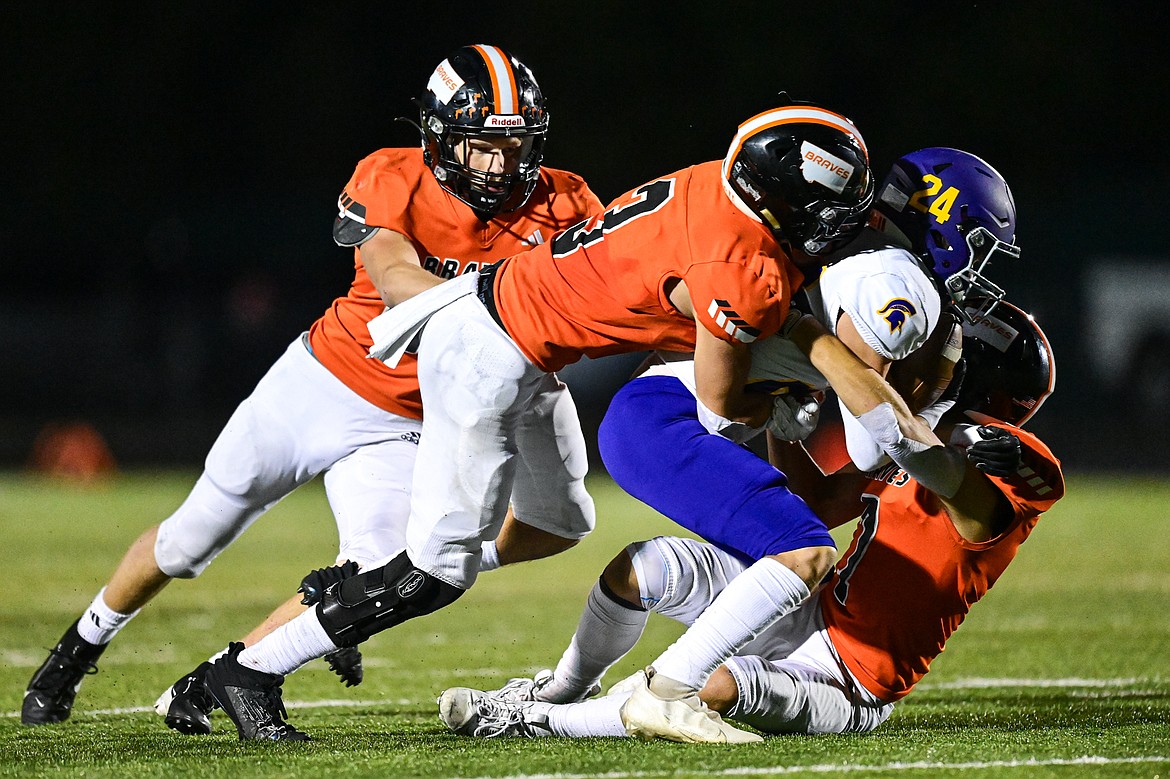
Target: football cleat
(50, 693)
(187, 705)
(346, 663)
(537, 689)
(252, 699)
(674, 712)
(477, 713)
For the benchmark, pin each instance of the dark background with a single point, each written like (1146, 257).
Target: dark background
(171, 172)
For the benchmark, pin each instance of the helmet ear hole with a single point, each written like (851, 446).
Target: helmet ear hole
(940, 240)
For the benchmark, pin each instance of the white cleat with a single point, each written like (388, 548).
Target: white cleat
(476, 713)
(674, 713)
(538, 689)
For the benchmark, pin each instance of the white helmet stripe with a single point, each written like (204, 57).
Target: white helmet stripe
(784, 116)
(503, 79)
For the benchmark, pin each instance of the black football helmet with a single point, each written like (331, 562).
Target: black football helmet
(1010, 368)
(483, 92)
(804, 172)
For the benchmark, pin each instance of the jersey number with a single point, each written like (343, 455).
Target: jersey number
(865, 534)
(645, 200)
(941, 207)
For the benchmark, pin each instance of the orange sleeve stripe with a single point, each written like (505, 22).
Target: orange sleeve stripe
(505, 95)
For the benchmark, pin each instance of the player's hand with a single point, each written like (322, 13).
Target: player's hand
(793, 418)
(314, 585)
(998, 454)
(933, 413)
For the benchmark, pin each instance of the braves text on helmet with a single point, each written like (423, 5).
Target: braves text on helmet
(804, 172)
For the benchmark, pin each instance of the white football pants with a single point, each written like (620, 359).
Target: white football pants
(495, 426)
(790, 678)
(299, 421)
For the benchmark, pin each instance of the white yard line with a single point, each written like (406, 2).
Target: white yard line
(841, 768)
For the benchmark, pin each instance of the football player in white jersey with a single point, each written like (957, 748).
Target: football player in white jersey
(941, 216)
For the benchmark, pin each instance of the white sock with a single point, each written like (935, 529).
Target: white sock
(598, 717)
(489, 559)
(99, 624)
(606, 632)
(750, 603)
(290, 646)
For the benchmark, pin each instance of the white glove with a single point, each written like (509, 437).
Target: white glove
(794, 418)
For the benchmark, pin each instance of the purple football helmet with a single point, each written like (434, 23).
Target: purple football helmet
(958, 214)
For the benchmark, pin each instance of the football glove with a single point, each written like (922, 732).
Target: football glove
(314, 585)
(998, 454)
(794, 418)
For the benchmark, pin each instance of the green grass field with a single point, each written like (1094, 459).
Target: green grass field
(1063, 670)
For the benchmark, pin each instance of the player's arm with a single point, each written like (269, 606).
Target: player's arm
(865, 453)
(394, 267)
(721, 371)
(867, 396)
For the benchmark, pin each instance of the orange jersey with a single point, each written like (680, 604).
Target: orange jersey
(601, 287)
(909, 578)
(393, 189)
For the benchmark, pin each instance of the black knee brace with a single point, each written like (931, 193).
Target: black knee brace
(358, 607)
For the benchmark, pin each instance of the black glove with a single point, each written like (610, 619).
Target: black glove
(998, 454)
(315, 584)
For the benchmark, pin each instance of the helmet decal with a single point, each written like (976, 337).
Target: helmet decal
(957, 214)
(823, 167)
(787, 115)
(504, 91)
(802, 171)
(445, 82)
(896, 312)
(1011, 369)
(480, 97)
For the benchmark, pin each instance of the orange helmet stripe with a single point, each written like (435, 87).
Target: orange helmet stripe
(504, 90)
(789, 115)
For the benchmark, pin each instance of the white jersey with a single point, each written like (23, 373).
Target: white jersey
(894, 307)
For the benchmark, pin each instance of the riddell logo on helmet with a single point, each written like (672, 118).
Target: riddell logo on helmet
(504, 121)
(821, 167)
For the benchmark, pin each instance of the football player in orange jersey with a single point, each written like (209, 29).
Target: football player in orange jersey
(703, 260)
(475, 191)
(921, 557)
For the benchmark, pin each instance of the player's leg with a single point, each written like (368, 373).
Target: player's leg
(475, 385)
(673, 576)
(368, 490)
(551, 510)
(808, 692)
(658, 451)
(238, 484)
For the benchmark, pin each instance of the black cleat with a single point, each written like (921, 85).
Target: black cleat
(346, 663)
(50, 694)
(187, 705)
(251, 699)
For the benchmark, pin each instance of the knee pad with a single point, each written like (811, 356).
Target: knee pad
(356, 608)
(656, 579)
